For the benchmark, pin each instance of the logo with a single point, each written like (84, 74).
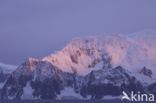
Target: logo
(137, 97)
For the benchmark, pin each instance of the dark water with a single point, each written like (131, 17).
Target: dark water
(68, 101)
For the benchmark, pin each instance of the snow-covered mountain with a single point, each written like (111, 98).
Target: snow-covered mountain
(90, 67)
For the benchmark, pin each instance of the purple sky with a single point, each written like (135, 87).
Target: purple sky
(36, 28)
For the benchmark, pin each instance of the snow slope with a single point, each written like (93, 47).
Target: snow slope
(69, 94)
(6, 68)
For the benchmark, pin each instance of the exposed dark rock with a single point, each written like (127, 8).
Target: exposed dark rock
(146, 72)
